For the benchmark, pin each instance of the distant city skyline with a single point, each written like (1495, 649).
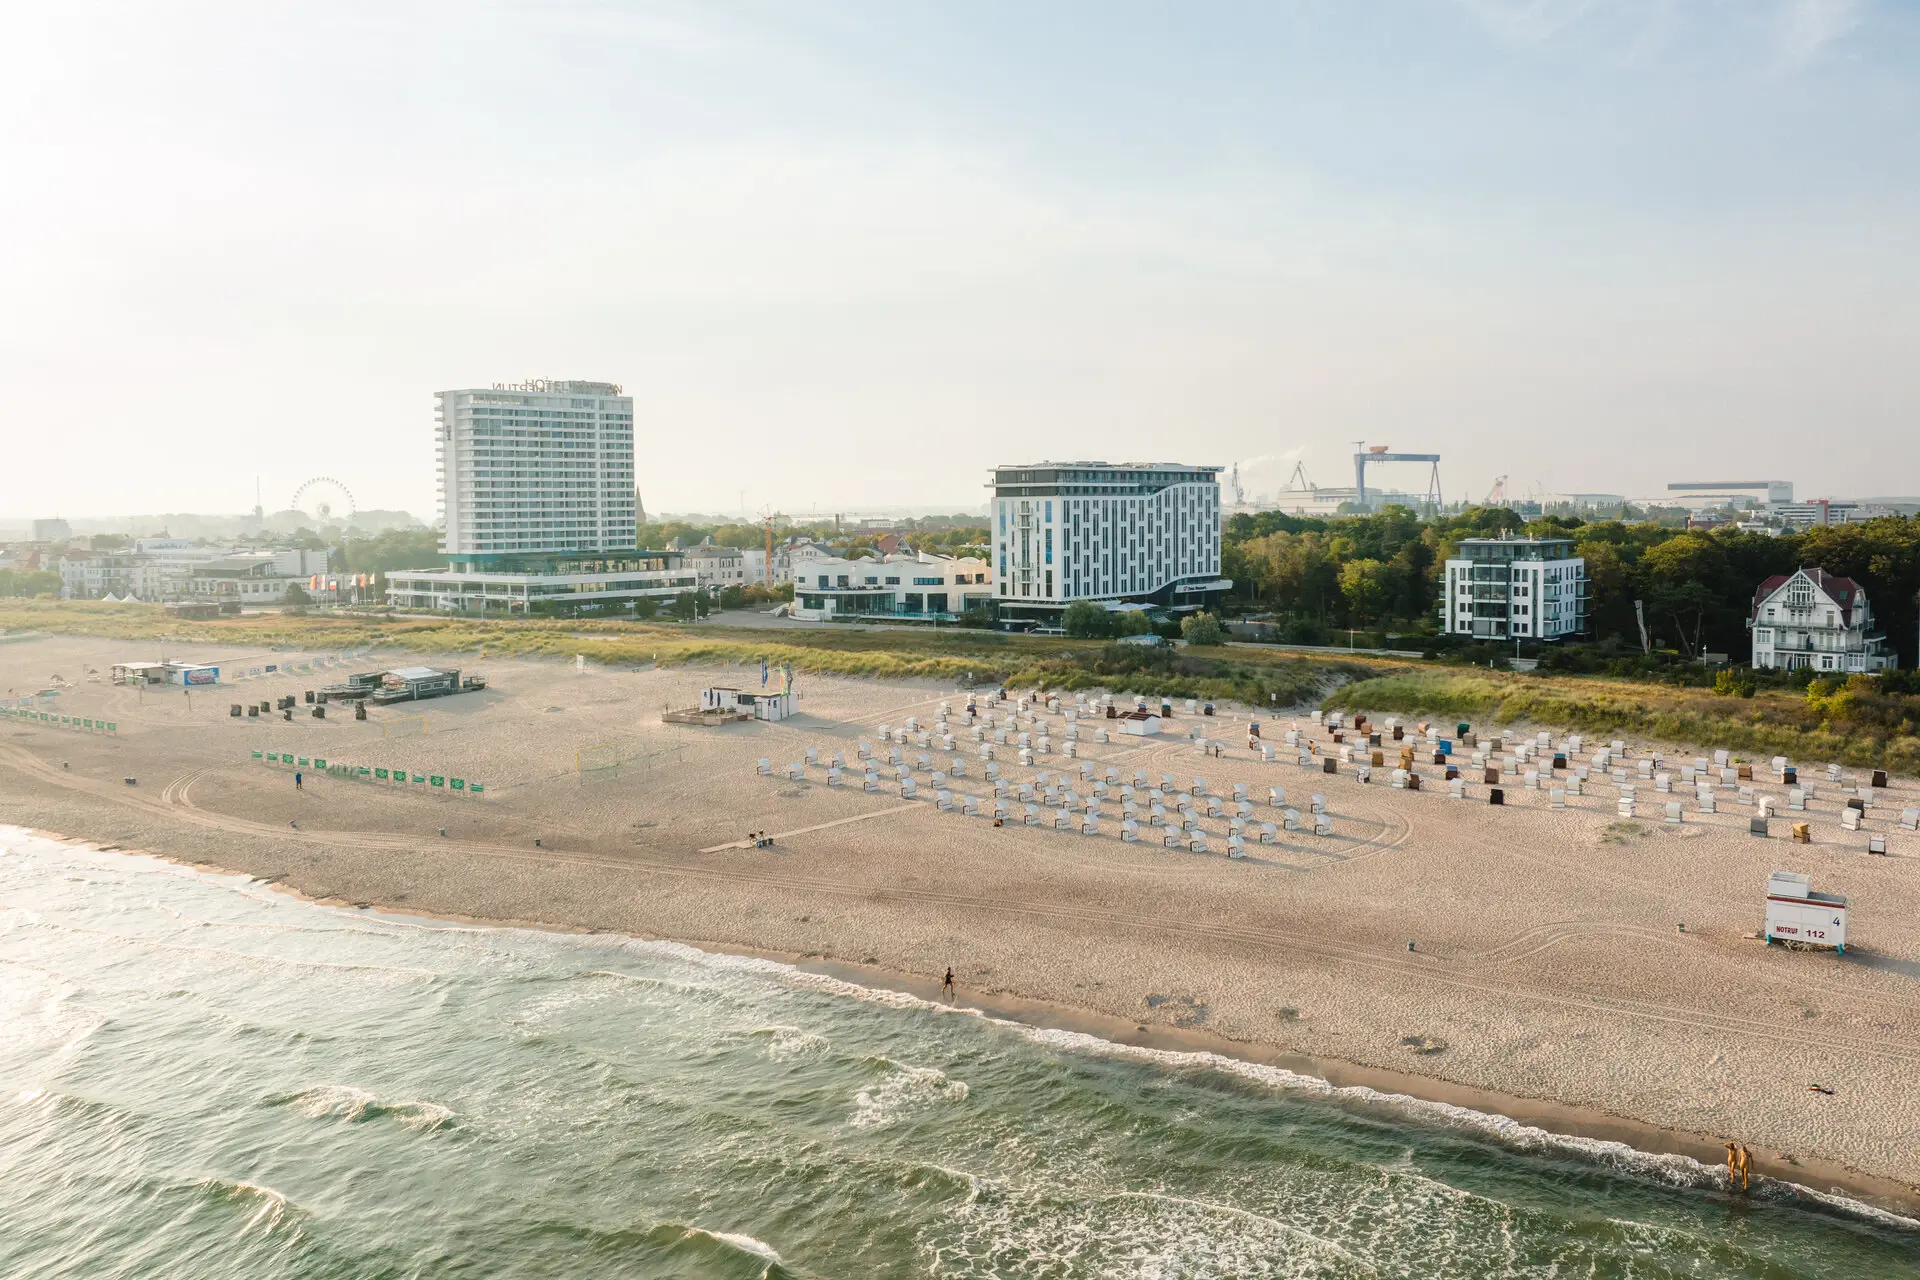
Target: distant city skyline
(837, 251)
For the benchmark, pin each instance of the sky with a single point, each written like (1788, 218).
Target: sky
(849, 256)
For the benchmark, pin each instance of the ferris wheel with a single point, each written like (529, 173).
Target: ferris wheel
(325, 499)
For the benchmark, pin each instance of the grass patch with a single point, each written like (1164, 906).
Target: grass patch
(1773, 722)
(1254, 676)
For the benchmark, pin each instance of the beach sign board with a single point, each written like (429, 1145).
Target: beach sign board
(380, 775)
(438, 780)
(457, 784)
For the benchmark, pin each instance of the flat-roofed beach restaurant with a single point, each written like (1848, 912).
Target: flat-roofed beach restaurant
(536, 491)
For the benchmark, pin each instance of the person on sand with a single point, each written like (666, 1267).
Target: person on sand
(296, 781)
(946, 986)
(1739, 1166)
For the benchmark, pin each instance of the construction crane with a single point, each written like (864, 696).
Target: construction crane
(1363, 454)
(1497, 494)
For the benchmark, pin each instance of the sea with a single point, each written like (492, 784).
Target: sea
(201, 1076)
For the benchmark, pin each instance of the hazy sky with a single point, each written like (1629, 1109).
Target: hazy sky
(852, 255)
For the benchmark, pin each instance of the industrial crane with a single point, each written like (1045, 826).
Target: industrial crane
(1378, 453)
(1497, 494)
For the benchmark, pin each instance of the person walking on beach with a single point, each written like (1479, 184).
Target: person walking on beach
(946, 987)
(296, 780)
(1739, 1166)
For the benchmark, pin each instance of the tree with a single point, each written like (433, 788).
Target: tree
(689, 605)
(29, 582)
(394, 549)
(1366, 588)
(645, 607)
(1609, 604)
(1087, 621)
(297, 594)
(1202, 628)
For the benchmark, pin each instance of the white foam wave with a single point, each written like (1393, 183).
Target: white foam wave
(784, 1044)
(345, 1102)
(901, 1090)
(744, 1243)
(270, 1207)
(1667, 1168)
(883, 1103)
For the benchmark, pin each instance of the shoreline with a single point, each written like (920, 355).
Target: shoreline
(1816, 1178)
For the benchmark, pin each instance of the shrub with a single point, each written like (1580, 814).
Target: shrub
(1202, 629)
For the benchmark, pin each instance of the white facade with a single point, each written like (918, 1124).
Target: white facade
(1795, 913)
(603, 583)
(536, 467)
(721, 567)
(1810, 618)
(907, 584)
(1068, 531)
(256, 577)
(1515, 588)
(159, 569)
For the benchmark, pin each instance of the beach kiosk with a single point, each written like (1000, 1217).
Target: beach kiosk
(1139, 722)
(1796, 914)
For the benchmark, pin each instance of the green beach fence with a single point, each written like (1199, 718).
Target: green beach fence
(370, 773)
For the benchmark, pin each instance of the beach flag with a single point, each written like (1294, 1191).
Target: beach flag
(763, 673)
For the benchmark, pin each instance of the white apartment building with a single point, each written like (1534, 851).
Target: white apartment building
(255, 577)
(907, 584)
(1811, 618)
(537, 467)
(718, 568)
(537, 493)
(1515, 588)
(1105, 532)
(158, 569)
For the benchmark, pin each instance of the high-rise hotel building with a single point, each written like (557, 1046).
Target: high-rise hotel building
(536, 489)
(538, 466)
(1114, 534)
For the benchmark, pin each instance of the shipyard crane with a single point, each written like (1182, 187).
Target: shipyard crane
(1498, 494)
(1364, 454)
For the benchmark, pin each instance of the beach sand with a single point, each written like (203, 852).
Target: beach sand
(1548, 962)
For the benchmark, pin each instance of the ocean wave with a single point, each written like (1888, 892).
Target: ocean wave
(1669, 1169)
(267, 1210)
(785, 1044)
(355, 1106)
(39, 1024)
(902, 1089)
(739, 1242)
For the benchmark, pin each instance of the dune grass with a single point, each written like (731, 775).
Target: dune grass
(1254, 676)
(1773, 722)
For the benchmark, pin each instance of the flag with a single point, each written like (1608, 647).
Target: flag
(763, 673)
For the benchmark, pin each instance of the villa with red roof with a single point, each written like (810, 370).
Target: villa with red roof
(1811, 618)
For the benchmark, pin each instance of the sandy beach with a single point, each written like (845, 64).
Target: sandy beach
(1548, 959)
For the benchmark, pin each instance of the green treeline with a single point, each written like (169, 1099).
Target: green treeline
(1385, 572)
